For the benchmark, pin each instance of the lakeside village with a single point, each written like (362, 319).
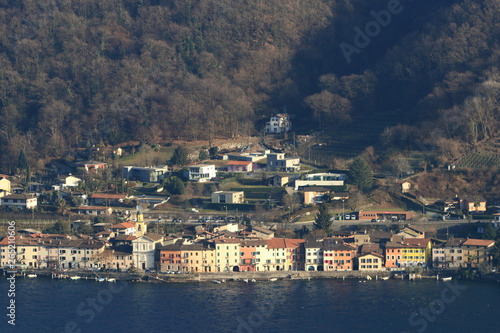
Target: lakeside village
(224, 244)
(232, 247)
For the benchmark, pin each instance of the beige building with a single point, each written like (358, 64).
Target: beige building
(477, 251)
(230, 197)
(371, 262)
(4, 186)
(314, 194)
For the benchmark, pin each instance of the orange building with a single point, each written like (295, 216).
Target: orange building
(393, 254)
(248, 254)
(170, 257)
(338, 256)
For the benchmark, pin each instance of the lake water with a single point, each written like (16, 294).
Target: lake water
(45, 305)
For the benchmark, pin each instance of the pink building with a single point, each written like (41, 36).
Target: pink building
(239, 166)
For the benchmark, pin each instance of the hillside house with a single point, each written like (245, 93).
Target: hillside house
(314, 194)
(5, 186)
(230, 197)
(94, 210)
(278, 162)
(278, 124)
(321, 179)
(106, 199)
(201, 172)
(19, 201)
(239, 166)
(145, 174)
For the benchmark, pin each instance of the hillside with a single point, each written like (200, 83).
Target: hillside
(75, 74)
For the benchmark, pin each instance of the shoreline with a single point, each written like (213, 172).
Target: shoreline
(257, 276)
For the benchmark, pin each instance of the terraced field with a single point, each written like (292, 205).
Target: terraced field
(351, 140)
(479, 161)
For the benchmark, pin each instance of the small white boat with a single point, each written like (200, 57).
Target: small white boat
(223, 280)
(111, 279)
(273, 279)
(385, 278)
(368, 277)
(100, 279)
(31, 276)
(216, 281)
(253, 280)
(245, 280)
(446, 279)
(76, 277)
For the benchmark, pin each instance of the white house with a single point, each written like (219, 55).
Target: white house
(144, 250)
(278, 123)
(321, 179)
(201, 172)
(314, 256)
(19, 201)
(70, 181)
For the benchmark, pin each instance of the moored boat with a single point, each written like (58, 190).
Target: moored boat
(31, 276)
(446, 279)
(75, 277)
(216, 281)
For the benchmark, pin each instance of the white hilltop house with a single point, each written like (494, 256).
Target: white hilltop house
(278, 124)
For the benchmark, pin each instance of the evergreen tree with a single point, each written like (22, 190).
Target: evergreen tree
(180, 156)
(174, 185)
(323, 219)
(22, 161)
(361, 174)
(213, 151)
(489, 232)
(203, 155)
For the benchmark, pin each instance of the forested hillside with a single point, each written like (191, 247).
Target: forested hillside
(78, 72)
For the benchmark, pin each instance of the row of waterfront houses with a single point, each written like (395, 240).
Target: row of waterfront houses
(233, 252)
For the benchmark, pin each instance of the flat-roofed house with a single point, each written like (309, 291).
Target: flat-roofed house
(229, 197)
(145, 174)
(278, 162)
(201, 172)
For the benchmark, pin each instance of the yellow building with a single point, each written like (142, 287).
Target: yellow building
(416, 252)
(228, 255)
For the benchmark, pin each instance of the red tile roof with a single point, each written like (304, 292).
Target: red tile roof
(123, 225)
(239, 162)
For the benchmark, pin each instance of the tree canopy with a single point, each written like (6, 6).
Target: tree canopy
(323, 219)
(361, 174)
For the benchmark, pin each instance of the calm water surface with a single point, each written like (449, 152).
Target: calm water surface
(45, 305)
